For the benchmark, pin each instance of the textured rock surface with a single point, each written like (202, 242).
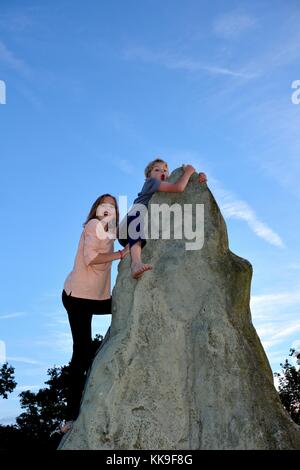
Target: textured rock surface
(183, 367)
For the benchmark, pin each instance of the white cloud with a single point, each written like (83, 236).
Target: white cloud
(233, 24)
(271, 127)
(8, 58)
(58, 341)
(174, 61)
(276, 319)
(58, 337)
(124, 165)
(285, 47)
(16, 23)
(6, 420)
(233, 207)
(272, 334)
(263, 305)
(294, 266)
(35, 370)
(277, 122)
(12, 315)
(230, 205)
(56, 322)
(21, 388)
(296, 344)
(225, 71)
(288, 330)
(26, 360)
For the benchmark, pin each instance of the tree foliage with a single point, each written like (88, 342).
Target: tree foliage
(44, 412)
(289, 388)
(7, 380)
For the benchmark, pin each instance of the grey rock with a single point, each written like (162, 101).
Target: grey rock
(183, 367)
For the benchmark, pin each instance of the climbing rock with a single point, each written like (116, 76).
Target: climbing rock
(183, 367)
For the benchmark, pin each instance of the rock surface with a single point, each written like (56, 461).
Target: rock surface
(183, 367)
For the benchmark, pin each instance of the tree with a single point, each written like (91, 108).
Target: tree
(44, 412)
(289, 388)
(7, 380)
(45, 409)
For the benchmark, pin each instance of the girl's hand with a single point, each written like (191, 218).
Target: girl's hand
(125, 251)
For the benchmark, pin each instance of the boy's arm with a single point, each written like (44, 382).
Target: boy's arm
(180, 185)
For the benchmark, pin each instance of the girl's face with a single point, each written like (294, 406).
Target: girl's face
(107, 209)
(160, 171)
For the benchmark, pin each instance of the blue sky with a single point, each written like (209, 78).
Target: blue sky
(96, 89)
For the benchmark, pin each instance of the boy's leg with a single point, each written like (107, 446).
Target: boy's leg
(137, 266)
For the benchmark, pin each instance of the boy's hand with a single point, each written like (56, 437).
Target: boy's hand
(202, 178)
(188, 169)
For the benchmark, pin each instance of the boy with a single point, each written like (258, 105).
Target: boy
(156, 173)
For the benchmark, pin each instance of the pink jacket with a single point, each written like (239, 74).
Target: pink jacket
(86, 280)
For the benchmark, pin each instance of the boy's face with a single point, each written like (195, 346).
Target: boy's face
(160, 171)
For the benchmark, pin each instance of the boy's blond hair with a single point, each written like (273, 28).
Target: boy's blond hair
(152, 164)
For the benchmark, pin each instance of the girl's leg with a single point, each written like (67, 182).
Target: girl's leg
(137, 266)
(100, 307)
(81, 327)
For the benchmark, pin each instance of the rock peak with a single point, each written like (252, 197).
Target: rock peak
(183, 367)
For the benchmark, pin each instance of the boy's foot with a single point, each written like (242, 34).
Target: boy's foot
(66, 427)
(137, 269)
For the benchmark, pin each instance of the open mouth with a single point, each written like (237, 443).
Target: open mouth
(105, 213)
(162, 177)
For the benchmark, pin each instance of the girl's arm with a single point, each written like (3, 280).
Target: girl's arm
(180, 185)
(106, 257)
(91, 249)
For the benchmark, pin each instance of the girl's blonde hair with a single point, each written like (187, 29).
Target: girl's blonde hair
(152, 164)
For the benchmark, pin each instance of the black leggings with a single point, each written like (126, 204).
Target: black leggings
(80, 312)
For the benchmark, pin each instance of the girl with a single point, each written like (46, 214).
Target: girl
(87, 292)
